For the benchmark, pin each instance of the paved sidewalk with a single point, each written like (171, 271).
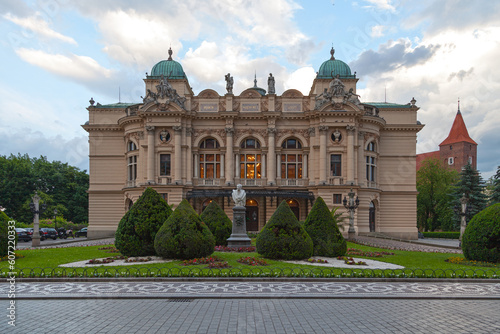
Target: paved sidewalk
(406, 245)
(253, 316)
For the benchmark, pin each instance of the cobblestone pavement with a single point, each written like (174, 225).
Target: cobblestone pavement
(70, 243)
(254, 289)
(403, 245)
(253, 316)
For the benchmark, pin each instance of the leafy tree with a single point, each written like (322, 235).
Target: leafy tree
(472, 185)
(324, 232)
(481, 239)
(4, 234)
(434, 186)
(66, 187)
(184, 235)
(495, 191)
(137, 229)
(283, 237)
(218, 222)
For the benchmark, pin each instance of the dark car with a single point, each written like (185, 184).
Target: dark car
(23, 235)
(81, 233)
(30, 231)
(49, 232)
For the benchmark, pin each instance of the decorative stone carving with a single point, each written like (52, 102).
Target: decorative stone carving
(150, 97)
(91, 101)
(194, 106)
(239, 197)
(150, 128)
(222, 105)
(189, 132)
(250, 93)
(208, 94)
(352, 97)
(291, 93)
(338, 106)
(177, 128)
(336, 136)
(312, 132)
(336, 87)
(277, 106)
(162, 106)
(229, 131)
(165, 90)
(271, 131)
(236, 106)
(264, 106)
(323, 128)
(305, 105)
(350, 128)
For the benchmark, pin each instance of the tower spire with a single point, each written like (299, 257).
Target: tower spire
(255, 80)
(458, 105)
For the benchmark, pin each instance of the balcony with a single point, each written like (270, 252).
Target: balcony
(292, 182)
(250, 182)
(371, 184)
(336, 180)
(208, 182)
(164, 180)
(130, 184)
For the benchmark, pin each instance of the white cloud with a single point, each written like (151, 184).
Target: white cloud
(301, 80)
(40, 27)
(72, 66)
(381, 5)
(378, 31)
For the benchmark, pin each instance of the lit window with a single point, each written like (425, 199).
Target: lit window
(165, 164)
(210, 160)
(250, 166)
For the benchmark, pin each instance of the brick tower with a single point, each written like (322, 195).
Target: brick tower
(458, 148)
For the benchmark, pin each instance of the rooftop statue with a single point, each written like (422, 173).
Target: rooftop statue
(270, 84)
(229, 83)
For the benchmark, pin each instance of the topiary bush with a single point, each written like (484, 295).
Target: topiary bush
(137, 229)
(184, 236)
(324, 232)
(218, 222)
(4, 234)
(283, 237)
(481, 239)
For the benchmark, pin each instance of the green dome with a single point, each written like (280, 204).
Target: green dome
(332, 67)
(169, 68)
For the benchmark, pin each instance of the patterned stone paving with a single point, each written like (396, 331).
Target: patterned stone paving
(253, 289)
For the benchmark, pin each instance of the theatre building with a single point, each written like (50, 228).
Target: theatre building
(293, 147)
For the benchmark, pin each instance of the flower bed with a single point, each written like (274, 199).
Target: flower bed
(202, 260)
(235, 249)
(357, 252)
(350, 261)
(252, 261)
(317, 261)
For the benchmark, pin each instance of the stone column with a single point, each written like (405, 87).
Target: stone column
(271, 164)
(229, 156)
(304, 166)
(196, 164)
(264, 165)
(178, 154)
(222, 166)
(278, 166)
(35, 241)
(151, 153)
(189, 176)
(322, 153)
(312, 140)
(361, 158)
(350, 153)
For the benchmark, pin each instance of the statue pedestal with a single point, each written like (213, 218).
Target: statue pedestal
(239, 237)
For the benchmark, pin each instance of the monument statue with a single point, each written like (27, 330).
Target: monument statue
(336, 86)
(229, 83)
(270, 84)
(239, 196)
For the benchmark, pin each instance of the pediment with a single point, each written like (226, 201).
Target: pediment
(208, 93)
(290, 93)
(250, 93)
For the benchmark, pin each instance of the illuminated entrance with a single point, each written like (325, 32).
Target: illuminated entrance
(252, 215)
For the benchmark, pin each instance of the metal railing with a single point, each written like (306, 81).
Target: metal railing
(336, 180)
(292, 182)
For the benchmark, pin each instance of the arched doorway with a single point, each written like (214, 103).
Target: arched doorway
(252, 215)
(294, 205)
(205, 204)
(371, 218)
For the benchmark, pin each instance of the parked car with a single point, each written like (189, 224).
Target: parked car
(49, 232)
(22, 234)
(30, 231)
(81, 233)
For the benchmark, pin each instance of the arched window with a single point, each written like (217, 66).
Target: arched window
(131, 146)
(371, 147)
(250, 159)
(210, 160)
(250, 143)
(294, 206)
(291, 159)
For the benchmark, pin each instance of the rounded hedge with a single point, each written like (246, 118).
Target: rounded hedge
(137, 229)
(4, 234)
(481, 239)
(218, 222)
(184, 235)
(324, 232)
(283, 237)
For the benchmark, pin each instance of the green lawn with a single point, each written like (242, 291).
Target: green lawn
(45, 260)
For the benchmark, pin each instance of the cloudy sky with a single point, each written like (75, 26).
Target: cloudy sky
(56, 54)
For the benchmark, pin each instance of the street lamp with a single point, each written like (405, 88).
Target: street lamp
(463, 222)
(351, 205)
(37, 209)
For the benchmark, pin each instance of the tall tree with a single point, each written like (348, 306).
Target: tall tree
(471, 184)
(434, 184)
(495, 191)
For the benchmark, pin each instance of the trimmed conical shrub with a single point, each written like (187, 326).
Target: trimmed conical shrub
(481, 239)
(283, 237)
(4, 234)
(137, 229)
(218, 222)
(324, 232)
(184, 235)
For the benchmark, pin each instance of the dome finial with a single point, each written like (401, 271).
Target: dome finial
(332, 51)
(255, 80)
(169, 53)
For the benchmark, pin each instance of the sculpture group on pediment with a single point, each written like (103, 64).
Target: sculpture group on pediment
(336, 86)
(164, 90)
(336, 89)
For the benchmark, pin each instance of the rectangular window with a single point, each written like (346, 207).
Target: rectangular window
(165, 197)
(370, 168)
(164, 164)
(337, 198)
(336, 165)
(132, 168)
